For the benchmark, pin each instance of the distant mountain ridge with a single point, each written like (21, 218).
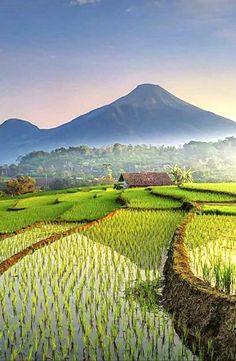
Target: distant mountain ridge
(148, 114)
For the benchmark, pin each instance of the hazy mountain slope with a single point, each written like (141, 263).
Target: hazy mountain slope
(149, 114)
(17, 137)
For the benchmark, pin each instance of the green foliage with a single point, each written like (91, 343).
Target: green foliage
(180, 175)
(149, 231)
(90, 203)
(72, 206)
(213, 161)
(60, 183)
(21, 185)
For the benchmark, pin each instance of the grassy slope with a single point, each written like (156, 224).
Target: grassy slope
(33, 202)
(49, 206)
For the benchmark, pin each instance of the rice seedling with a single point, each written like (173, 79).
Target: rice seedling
(194, 196)
(91, 205)
(22, 211)
(69, 302)
(143, 198)
(211, 240)
(219, 208)
(34, 201)
(14, 244)
(14, 220)
(216, 187)
(5, 204)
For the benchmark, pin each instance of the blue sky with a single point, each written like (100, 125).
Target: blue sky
(61, 58)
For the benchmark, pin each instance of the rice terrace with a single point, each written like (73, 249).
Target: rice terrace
(97, 273)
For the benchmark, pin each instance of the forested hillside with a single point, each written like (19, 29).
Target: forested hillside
(212, 161)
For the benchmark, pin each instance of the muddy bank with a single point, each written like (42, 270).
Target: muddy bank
(196, 304)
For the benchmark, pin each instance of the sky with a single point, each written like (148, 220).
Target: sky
(62, 58)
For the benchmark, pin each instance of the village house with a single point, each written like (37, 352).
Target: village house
(147, 179)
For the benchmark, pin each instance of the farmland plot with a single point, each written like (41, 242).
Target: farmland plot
(14, 244)
(68, 300)
(143, 198)
(211, 240)
(216, 187)
(220, 208)
(191, 195)
(14, 220)
(91, 205)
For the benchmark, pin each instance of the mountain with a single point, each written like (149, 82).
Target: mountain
(148, 114)
(16, 138)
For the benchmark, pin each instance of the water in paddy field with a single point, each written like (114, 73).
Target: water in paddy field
(68, 302)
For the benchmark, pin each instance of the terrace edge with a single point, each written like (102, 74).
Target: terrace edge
(196, 304)
(11, 261)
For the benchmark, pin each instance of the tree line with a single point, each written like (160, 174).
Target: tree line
(210, 161)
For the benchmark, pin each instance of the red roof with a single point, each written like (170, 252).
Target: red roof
(146, 179)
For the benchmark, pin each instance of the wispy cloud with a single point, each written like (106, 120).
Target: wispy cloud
(83, 2)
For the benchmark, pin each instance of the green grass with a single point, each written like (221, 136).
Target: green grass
(192, 196)
(216, 187)
(142, 198)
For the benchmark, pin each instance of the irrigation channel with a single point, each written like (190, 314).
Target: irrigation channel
(94, 292)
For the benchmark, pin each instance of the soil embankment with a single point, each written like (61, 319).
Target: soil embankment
(204, 310)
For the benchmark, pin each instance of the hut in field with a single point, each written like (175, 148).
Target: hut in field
(147, 179)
